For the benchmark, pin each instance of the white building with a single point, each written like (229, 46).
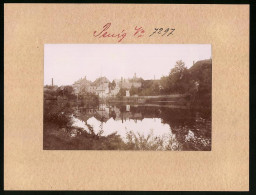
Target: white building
(102, 91)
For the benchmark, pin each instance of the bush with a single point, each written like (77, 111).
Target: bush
(58, 114)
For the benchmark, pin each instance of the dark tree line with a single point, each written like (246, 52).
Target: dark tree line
(195, 81)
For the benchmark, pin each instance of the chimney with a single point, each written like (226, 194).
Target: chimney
(52, 81)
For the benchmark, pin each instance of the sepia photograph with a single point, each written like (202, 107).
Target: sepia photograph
(155, 97)
(124, 97)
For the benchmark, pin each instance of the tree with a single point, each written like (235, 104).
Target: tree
(112, 85)
(134, 91)
(121, 92)
(201, 73)
(178, 68)
(67, 91)
(177, 81)
(164, 82)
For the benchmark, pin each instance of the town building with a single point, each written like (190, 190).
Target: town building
(127, 93)
(103, 90)
(92, 89)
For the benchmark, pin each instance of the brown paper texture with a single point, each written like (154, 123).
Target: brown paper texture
(27, 27)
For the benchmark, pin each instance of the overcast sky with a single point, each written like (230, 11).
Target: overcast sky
(66, 63)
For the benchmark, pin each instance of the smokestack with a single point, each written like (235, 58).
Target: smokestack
(52, 81)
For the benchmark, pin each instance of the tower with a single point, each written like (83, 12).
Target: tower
(52, 82)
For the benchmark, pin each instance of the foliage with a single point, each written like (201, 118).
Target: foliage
(89, 100)
(66, 91)
(57, 112)
(50, 94)
(134, 91)
(112, 85)
(177, 81)
(178, 68)
(148, 88)
(142, 142)
(188, 131)
(122, 92)
(195, 81)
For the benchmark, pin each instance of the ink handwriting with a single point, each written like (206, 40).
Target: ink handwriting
(139, 31)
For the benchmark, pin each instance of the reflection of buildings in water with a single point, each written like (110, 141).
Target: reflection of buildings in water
(84, 114)
(127, 114)
(102, 106)
(123, 116)
(150, 115)
(102, 115)
(103, 112)
(137, 117)
(90, 111)
(84, 117)
(115, 111)
(144, 119)
(82, 110)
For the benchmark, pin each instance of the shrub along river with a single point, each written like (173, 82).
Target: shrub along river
(127, 127)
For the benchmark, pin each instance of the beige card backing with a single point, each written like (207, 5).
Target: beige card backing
(27, 27)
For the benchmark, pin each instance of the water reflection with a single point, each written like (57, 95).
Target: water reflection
(147, 127)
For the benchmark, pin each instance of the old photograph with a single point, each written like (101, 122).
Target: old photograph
(127, 97)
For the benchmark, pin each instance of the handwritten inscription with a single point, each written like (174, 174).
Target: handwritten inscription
(139, 32)
(105, 32)
(165, 32)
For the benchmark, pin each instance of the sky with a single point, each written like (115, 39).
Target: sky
(66, 63)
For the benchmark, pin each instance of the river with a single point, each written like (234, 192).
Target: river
(151, 127)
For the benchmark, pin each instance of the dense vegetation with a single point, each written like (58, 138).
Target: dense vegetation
(195, 81)
(59, 103)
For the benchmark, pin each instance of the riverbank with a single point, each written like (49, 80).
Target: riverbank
(56, 138)
(125, 127)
